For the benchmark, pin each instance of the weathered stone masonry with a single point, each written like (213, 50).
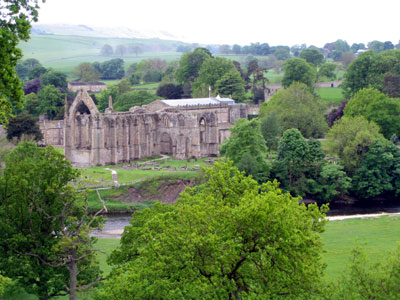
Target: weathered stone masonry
(183, 128)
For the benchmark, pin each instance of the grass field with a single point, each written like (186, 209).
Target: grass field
(333, 96)
(377, 236)
(64, 53)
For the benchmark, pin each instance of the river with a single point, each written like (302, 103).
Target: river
(116, 223)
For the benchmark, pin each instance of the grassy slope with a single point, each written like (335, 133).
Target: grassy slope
(64, 53)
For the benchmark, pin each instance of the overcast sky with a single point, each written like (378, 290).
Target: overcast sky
(287, 22)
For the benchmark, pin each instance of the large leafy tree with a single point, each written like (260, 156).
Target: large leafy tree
(111, 69)
(23, 124)
(378, 107)
(246, 148)
(369, 70)
(350, 138)
(312, 56)
(189, 65)
(298, 70)
(15, 18)
(298, 108)
(87, 73)
(56, 78)
(211, 71)
(232, 85)
(44, 225)
(229, 238)
(51, 102)
(379, 171)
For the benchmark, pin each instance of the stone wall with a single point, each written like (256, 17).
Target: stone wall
(53, 132)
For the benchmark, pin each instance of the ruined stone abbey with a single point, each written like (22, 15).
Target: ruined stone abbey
(184, 128)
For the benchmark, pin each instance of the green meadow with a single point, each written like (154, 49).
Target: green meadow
(64, 53)
(332, 96)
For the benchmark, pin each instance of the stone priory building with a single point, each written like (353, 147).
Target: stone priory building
(185, 128)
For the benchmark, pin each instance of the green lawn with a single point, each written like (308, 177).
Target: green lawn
(333, 96)
(377, 236)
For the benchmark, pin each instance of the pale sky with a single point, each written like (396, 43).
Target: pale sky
(277, 22)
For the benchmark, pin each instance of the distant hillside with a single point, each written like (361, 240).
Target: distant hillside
(65, 52)
(108, 32)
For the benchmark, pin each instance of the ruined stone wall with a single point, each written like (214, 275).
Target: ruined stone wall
(53, 132)
(112, 137)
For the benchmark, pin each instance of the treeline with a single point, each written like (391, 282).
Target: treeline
(360, 157)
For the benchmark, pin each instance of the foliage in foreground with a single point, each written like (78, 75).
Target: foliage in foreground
(363, 281)
(229, 238)
(44, 229)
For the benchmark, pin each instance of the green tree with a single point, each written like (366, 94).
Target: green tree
(37, 72)
(327, 70)
(379, 171)
(23, 124)
(231, 84)
(298, 108)
(51, 102)
(350, 139)
(55, 78)
(212, 70)
(298, 163)
(123, 86)
(298, 70)
(134, 98)
(25, 67)
(376, 46)
(112, 69)
(32, 103)
(102, 98)
(45, 227)
(15, 19)
(189, 65)
(369, 70)
(312, 56)
(87, 73)
(271, 129)
(332, 181)
(229, 238)
(346, 58)
(106, 50)
(246, 144)
(376, 106)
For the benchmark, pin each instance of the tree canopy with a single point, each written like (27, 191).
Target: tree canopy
(189, 65)
(298, 70)
(15, 19)
(298, 108)
(23, 124)
(44, 228)
(246, 148)
(350, 138)
(369, 70)
(228, 238)
(312, 56)
(378, 107)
